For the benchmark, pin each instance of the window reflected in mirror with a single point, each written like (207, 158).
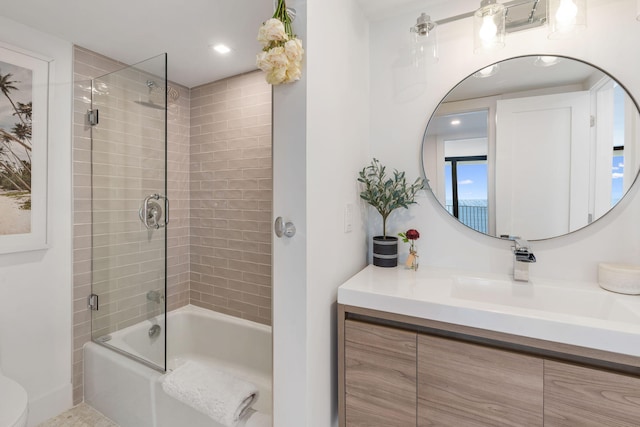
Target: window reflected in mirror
(466, 181)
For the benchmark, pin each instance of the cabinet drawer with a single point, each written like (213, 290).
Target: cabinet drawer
(463, 384)
(380, 375)
(586, 397)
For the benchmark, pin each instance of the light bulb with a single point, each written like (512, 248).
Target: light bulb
(566, 15)
(488, 31)
(489, 26)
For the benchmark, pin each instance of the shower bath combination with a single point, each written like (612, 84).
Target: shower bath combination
(135, 343)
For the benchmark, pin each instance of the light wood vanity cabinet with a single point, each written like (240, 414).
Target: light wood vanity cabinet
(398, 371)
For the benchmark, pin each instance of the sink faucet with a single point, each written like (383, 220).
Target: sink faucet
(523, 256)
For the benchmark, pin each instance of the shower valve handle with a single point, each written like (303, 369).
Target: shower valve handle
(151, 212)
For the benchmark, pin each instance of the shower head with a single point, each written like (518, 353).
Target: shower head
(157, 93)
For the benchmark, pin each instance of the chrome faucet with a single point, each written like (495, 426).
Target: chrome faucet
(522, 257)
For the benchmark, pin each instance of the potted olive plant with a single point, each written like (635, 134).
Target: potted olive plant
(386, 194)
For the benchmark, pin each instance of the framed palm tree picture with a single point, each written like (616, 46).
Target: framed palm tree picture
(24, 98)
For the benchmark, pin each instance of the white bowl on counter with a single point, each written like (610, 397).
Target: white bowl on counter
(620, 278)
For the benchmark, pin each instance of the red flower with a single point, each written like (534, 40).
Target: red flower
(412, 234)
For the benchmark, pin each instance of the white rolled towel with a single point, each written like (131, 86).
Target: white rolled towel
(213, 392)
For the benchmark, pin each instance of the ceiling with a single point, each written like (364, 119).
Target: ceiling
(514, 76)
(521, 74)
(133, 30)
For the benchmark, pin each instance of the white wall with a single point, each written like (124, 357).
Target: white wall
(309, 267)
(289, 259)
(35, 287)
(398, 123)
(337, 148)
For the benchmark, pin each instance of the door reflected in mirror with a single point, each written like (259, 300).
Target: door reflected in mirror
(539, 149)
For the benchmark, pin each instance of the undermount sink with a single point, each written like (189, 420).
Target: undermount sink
(594, 304)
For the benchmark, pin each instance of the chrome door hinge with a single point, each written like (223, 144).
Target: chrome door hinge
(93, 302)
(92, 117)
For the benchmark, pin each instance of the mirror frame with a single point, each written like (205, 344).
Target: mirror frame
(433, 115)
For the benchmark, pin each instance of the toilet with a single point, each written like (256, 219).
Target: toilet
(13, 403)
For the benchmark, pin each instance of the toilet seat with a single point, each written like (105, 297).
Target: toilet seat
(13, 403)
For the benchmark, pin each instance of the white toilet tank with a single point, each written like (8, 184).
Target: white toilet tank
(13, 403)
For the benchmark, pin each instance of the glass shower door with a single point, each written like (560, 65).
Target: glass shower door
(128, 118)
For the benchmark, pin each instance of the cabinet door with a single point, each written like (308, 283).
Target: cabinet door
(462, 384)
(585, 397)
(380, 375)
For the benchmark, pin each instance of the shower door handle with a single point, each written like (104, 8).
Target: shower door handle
(151, 212)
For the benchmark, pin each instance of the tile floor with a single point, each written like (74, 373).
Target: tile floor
(82, 415)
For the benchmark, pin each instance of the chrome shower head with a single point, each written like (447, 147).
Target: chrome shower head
(157, 92)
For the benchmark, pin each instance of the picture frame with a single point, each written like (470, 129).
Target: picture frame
(24, 123)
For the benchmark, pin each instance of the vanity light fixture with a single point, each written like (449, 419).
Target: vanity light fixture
(566, 17)
(424, 43)
(489, 26)
(221, 48)
(491, 22)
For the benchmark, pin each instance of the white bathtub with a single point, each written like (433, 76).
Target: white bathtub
(131, 394)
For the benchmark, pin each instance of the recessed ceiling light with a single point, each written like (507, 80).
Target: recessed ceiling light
(222, 49)
(455, 122)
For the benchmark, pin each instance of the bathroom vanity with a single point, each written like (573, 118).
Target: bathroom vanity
(444, 348)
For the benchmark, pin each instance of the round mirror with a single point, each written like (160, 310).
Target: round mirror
(533, 146)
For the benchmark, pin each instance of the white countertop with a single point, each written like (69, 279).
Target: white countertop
(581, 314)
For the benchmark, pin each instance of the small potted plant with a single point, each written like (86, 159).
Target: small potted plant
(386, 194)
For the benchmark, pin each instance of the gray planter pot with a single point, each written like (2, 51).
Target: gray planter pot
(385, 251)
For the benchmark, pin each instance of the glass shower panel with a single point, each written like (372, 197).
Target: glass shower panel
(129, 211)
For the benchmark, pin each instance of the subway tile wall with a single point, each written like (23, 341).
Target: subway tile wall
(231, 193)
(124, 264)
